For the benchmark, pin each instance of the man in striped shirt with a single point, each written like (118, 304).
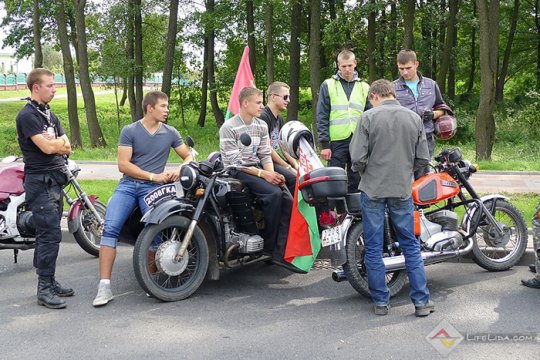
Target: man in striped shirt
(259, 175)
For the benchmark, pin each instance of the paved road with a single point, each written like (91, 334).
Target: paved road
(261, 312)
(484, 181)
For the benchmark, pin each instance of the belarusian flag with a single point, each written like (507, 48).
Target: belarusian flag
(244, 78)
(304, 242)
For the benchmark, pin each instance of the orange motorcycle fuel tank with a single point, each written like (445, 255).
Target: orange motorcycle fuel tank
(435, 187)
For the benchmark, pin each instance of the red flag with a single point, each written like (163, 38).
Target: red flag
(244, 78)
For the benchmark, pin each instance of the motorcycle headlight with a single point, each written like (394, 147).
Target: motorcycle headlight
(73, 167)
(188, 177)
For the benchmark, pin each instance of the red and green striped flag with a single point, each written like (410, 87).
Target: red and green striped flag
(304, 242)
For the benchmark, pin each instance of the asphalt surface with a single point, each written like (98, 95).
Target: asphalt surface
(264, 312)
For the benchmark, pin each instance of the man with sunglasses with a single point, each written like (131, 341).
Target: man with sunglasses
(278, 99)
(342, 100)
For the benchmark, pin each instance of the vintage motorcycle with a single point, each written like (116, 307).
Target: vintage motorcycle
(492, 230)
(196, 226)
(17, 230)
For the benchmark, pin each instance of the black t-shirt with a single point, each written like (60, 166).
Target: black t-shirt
(274, 125)
(31, 121)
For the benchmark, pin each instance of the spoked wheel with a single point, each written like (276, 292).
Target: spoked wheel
(154, 260)
(498, 252)
(88, 234)
(354, 268)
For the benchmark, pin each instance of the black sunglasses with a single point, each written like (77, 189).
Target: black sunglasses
(284, 97)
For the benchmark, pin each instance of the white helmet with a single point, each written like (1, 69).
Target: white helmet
(290, 135)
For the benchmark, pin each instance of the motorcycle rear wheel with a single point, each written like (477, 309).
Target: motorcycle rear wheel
(88, 234)
(499, 253)
(156, 271)
(353, 268)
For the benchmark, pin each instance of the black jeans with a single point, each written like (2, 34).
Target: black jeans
(290, 178)
(431, 147)
(341, 157)
(44, 198)
(276, 204)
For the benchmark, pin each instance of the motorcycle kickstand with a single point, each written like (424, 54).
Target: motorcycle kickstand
(15, 254)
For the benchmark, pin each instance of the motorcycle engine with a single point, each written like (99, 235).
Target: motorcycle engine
(25, 224)
(448, 238)
(247, 244)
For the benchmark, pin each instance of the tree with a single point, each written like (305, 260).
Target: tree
(94, 130)
(250, 22)
(408, 23)
(36, 25)
(69, 75)
(131, 58)
(314, 57)
(448, 48)
(488, 16)
(269, 37)
(138, 48)
(204, 85)
(372, 18)
(171, 45)
(218, 114)
(294, 66)
(501, 78)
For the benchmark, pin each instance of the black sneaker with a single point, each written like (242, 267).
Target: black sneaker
(424, 310)
(532, 268)
(532, 283)
(381, 309)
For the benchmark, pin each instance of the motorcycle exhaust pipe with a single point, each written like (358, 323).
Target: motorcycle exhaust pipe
(227, 254)
(17, 246)
(339, 275)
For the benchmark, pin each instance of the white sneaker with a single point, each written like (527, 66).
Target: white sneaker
(104, 295)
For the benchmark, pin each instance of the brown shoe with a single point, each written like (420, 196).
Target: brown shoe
(424, 310)
(381, 310)
(532, 283)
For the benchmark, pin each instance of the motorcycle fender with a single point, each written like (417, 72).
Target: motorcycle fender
(165, 209)
(470, 215)
(338, 255)
(74, 211)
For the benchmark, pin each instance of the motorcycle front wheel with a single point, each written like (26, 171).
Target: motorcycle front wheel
(156, 269)
(496, 252)
(88, 234)
(354, 268)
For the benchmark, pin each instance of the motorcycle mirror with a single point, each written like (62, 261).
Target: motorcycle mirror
(245, 139)
(189, 141)
(9, 159)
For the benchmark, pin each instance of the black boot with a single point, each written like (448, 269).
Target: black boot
(46, 295)
(62, 291)
(532, 268)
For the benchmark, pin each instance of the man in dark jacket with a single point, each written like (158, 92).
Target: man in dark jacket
(419, 94)
(43, 142)
(342, 100)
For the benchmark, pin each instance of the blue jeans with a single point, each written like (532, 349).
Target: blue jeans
(402, 219)
(127, 195)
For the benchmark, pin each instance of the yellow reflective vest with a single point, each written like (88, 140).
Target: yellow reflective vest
(344, 114)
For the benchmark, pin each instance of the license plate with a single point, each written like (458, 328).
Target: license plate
(331, 236)
(166, 191)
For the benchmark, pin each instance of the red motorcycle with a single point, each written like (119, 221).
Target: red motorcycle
(491, 229)
(85, 216)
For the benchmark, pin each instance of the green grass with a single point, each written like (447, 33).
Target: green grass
(517, 153)
(526, 203)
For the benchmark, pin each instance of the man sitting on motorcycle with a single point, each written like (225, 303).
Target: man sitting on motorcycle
(143, 150)
(259, 175)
